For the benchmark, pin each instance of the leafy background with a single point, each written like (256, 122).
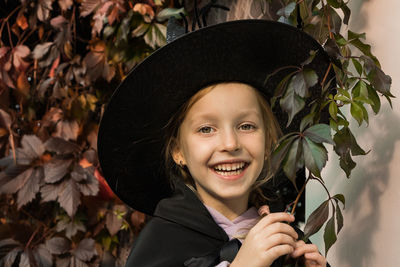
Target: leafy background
(60, 59)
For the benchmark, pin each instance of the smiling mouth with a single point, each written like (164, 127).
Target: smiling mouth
(230, 169)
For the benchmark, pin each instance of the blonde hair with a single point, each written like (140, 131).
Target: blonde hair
(272, 134)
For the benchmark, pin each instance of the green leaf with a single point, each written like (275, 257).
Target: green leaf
(345, 143)
(291, 103)
(316, 219)
(315, 156)
(365, 49)
(344, 92)
(378, 79)
(347, 12)
(319, 133)
(329, 234)
(332, 49)
(292, 161)
(333, 109)
(156, 35)
(166, 13)
(339, 218)
(357, 112)
(352, 35)
(302, 81)
(357, 65)
(341, 198)
(279, 153)
(307, 120)
(287, 10)
(280, 88)
(376, 101)
(335, 3)
(313, 53)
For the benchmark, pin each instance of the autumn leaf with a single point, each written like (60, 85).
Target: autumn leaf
(88, 6)
(43, 9)
(69, 197)
(19, 53)
(85, 250)
(56, 169)
(65, 4)
(316, 219)
(113, 221)
(28, 192)
(42, 256)
(21, 21)
(96, 63)
(68, 130)
(58, 245)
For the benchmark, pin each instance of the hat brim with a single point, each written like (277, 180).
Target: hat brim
(132, 134)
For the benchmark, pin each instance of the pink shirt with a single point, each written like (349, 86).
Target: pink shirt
(239, 226)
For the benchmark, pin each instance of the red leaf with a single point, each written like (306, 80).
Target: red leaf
(56, 169)
(31, 187)
(50, 192)
(61, 146)
(23, 84)
(69, 197)
(67, 130)
(41, 50)
(21, 21)
(9, 259)
(43, 9)
(316, 219)
(16, 183)
(58, 245)
(54, 67)
(105, 192)
(85, 250)
(65, 4)
(19, 53)
(88, 6)
(138, 219)
(42, 256)
(114, 222)
(32, 146)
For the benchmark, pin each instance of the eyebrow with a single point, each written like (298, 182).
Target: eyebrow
(211, 116)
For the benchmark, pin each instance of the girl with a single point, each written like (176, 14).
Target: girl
(187, 136)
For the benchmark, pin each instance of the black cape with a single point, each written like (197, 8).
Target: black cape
(183, 233)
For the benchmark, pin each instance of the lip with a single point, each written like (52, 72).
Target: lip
(230, 177)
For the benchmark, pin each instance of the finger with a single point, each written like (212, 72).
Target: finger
(279, 227)
(264, 210)
(301, 249)
(280, 250)
(279, 239)
(272, 218)
(316, 257)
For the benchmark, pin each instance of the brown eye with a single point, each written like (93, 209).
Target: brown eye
(247, 127)
(205, 130)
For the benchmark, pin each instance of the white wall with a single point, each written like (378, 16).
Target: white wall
(371, 232)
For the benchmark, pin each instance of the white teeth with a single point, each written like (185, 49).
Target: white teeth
(229, 167)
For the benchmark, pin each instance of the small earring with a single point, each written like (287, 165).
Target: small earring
(181, 163)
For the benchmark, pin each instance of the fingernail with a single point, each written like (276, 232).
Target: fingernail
(264, 210)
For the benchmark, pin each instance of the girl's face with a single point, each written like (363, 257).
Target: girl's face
(222, 143)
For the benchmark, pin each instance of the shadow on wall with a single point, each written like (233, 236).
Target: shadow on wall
(369, 183)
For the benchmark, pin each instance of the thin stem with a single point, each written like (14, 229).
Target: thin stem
(9, 34)
(299, 195)
(5, 20)
(323, 184)
(32, 236)
(326, 74)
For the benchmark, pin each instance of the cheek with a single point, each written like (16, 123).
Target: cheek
(197, 151)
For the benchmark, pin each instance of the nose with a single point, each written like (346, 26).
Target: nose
(229, 141)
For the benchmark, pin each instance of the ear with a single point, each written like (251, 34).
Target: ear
(177, 155)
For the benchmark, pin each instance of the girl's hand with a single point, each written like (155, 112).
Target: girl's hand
(311, 254)
(269, 239)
